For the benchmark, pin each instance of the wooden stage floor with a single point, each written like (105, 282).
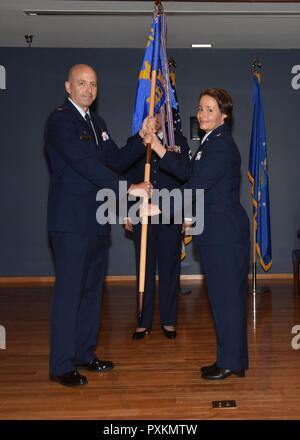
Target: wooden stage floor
(154, 378)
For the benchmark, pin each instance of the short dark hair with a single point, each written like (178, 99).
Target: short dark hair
(223, 99)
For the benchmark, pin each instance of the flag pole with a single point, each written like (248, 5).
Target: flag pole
(143, 249)
(253, 291)
(256, 65)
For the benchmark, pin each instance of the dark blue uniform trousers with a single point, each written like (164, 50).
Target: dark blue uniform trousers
(226, 271)
(80, 263)
(163, 250)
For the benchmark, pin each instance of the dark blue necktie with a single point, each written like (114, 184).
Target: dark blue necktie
(89, 122)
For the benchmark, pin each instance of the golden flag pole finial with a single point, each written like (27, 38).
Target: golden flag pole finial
(159, 6)
(256, 66)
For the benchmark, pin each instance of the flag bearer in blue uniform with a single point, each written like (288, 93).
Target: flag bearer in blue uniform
(163, 246)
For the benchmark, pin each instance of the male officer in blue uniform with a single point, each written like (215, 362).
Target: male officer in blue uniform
(79, 149)
(163, 246)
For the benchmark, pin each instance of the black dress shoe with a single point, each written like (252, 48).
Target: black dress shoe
(208, 367)
(218, 373)
(70, 379)
(140, 335)
(170, 334)
(97, 365)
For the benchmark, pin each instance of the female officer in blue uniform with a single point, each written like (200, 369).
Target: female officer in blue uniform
(224, 245)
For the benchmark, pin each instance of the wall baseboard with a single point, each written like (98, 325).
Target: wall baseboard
(124, 279)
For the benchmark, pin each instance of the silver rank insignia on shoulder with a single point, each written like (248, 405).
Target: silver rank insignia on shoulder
(105, 136)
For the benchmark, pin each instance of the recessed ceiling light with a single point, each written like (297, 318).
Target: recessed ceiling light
(202, 45)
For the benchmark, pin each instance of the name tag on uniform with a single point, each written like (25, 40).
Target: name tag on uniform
(85, 137)
(105, 136)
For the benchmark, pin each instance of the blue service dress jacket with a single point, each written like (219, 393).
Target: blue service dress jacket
(162, 177)
(217, 171)
(80, 168)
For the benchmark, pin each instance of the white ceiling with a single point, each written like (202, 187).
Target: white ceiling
(225, 25)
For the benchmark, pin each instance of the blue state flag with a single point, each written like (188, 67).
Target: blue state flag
(258, 176)
(153, 60)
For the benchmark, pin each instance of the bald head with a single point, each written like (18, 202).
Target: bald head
(77, 69)
(82, 85)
